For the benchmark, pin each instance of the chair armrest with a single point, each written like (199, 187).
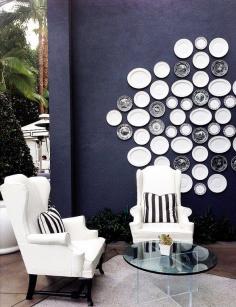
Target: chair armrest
(136, 212)
(77, 228)
(183, 214)
(62, 238)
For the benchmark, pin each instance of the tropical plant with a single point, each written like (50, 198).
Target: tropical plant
(165, 239)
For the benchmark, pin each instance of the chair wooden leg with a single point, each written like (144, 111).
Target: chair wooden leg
(100, 265)
(31, 287)
(89, 292)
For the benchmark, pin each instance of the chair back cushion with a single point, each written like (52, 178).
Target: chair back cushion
(160, 208)
(50, 221)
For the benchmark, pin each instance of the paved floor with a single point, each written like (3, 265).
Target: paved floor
(13, 277)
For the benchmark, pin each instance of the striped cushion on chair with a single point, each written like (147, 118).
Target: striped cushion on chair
(50, 221)
(160, 209)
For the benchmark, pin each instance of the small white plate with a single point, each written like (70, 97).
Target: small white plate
(114, 118)
(223, 116)
(171, 131)
(159, 145)
(218, 47)
(171, 102)
(230, 101)
(200, 78)
(219, 144)
(214, 128)
(182, 88)
(181, 144)
(141, 136)
(161, 69)
(214, 103)
(139, 156)
(183, 48)
(185, 129)
(162, 160)
(219, 87)
(201, 60)
(200, 116)
(217, 183)
(200, 42)
(186, 183)
(186, 104)
(138, 117)
(199, 153)
(177, 117)
(139, 78)
(200, 188)
(229, 131)
(159, 89)
(200, 171)
(141, 99)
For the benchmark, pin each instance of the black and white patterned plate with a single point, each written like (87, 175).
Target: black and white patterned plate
(124, 103)
(157, 109)
(124, 132)
(200, 97)
(182, 69)
(182, 163)
(156, 126)
(233, 163)
(219, 163)
(219, 68)
(200, 135)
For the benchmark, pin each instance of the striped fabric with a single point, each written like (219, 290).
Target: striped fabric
(160, 209)
(50, 221)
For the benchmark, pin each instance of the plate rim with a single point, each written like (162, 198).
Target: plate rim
(163, 95)
(197, 54)
(137, 131)
(183, 81)
(112, 111)
(140, 148)
(190, 44)
(194, 150)
(140, 110)
(219, 80)
(210, 47)
(155, 68)
(198, 110)
(221, 137)
(215, 175)
(175, 111)
(138, 93)
(181, 137)
(164, 139)
(147, 72)
(203, 166)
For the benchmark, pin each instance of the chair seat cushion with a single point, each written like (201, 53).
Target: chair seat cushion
(50, 221)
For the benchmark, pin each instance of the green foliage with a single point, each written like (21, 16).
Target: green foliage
(165, 239)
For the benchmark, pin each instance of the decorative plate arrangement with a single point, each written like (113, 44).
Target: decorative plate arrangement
(124, 103)
(171, 131)
(141, 136)
(156, 126)
(200, 97)
(157, 109)
(171, 102)
(186, 104)
(182, 69)
(219, 68)
(200, 78)
(219, 163)
(185, 129)
(214, 103)
(230, 101)
(114, 118)
(124, 132)
(199, 153)
(161, 69)
(201, 60)
(233, 163)
(141, 99)
(182, 163)
(162, 160)
(200, 43)
(200, 135)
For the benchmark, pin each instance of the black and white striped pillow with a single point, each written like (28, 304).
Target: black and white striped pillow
(160, 209)
(50, 221)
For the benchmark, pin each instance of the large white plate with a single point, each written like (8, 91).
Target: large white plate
(183, 48)
(171, 131)
(200, 171)
(161, 69)
(219, 87)
(199, 153)
(177, 117)
(182, 88)
(218, 47)
(217, 183)
(181, 144)
(219, 144)
(159, 89)
(186, 183)
(141, 99)
(138, 117)
(141, 136)
(114, 118)
(200, 188)
(223, 116)
(200, 42)
(139, 156)
(139, 78)
(201, 60)
(200, 116)
(200, 78)
(171, 102)
(159, 145)
(162, 160)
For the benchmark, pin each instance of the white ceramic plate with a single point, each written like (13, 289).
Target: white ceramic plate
(234, 87)
(200, 171)
(217, 183)
(219, 144)
(185, 129)
(182, 88)
(200, 78)
(171, 131)
(181, 144)
(177, 117)
(139, 156)
(234, 144)
(171, 102)
(200, 188)
(183, 48)
(200, 116)
(186, 183)
(141, 99)
(163, 161)
(159, 145)
(229, 131)
(218, 47)
(214, 103)
(214, 128)
(138, 117)
(200, 42)
(141, 136)
(199, 153)
(219, 87)
(200, 253)
(201, 60)
(161, 69)
(139, 78)
(223, 116)
(230, 101)
(159, 89)
(186, 104)
(114, 118)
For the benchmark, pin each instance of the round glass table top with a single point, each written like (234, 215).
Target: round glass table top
(184, 259)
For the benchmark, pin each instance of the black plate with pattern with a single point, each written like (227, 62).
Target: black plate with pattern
(156, 126)
(182, 163)
(124, 132)
(182, 69)
(200, 97)
(219, 68)
(124, 103)
(200, 135)
(157, 109)
(233, 163)
(219, 163)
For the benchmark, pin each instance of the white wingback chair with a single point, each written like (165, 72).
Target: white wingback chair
(74, 253)
(160, 180)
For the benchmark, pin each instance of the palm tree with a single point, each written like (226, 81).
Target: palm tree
(23, 11)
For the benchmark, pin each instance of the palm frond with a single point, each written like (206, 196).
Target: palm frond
(17, 66)
(22, 84)
(40, 99)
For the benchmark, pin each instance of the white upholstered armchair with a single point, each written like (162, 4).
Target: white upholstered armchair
(74, 253)
(160, 180)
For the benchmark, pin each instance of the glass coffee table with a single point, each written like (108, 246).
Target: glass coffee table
(185, 260)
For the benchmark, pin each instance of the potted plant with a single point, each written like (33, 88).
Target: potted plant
(165, 244)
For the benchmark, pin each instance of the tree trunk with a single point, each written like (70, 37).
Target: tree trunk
(40, 63)
(45, 66)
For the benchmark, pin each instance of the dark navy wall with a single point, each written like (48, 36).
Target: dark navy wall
(108, 39)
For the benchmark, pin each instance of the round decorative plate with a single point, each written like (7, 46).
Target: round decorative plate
(214, 103)
(214, 128)
(219, 87)
(159, 145)
(156, 126)
(171, 131)
(161, 69)
(234, 144)
(162, 160)
(183, 48)
(200, 78)
(199, 153)
(185, 129)
(114, 118)
(177, 117)
(141, 136)
(138, 117)
(218, 47)
(182, 69)
(139, 156)
(219, 163)
(223, 116)
(230, 101)
(233, 163)
(159, 89)
(141, 99)
(182, 163)
(201, 60)
(200, 135)
(234, 87)
(200, 116)
(157, 109)
(139, 78)
(181, 145)
(124, 103)
(219, 144)
(124, 132)
(171, 102)
(186, 104)
(217, 183)
(200, 97)
(200, 188)
(219, 68)
(200, 171)
(182, 88)
(229, 131)
(200, 42)
(186, 183)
